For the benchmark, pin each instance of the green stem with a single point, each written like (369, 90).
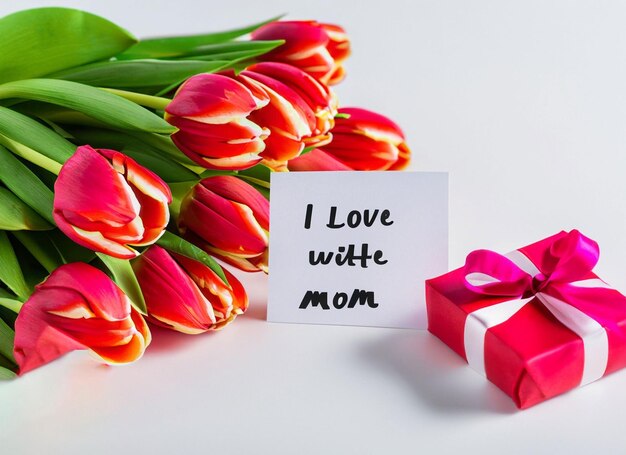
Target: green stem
(256, 181)
(154, 102)
(31, 155)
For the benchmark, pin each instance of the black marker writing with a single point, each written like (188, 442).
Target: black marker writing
(347, 256)
(340, 300)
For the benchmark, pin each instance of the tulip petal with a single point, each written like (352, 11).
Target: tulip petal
(404, 158)
(232, 164)
(211, 285)
(301, 37)
(318, 49)
(227, 217)
(228, 232)
(286, 110)
(213, 98)
(361, 153)
(185, 295)
(371, 124)
(78, 307)
(220, 141)
(171, 295)
(98, 242)
(315, 94)
(106, 199)
(103, 200)
(237, 190)
(317, 160)
(247, 264)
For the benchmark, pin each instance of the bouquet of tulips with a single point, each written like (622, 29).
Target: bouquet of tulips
(133, 173)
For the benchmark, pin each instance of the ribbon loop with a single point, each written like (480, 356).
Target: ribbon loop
(572, 258)
(490, 273)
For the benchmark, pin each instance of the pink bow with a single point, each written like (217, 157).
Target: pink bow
(570, 259)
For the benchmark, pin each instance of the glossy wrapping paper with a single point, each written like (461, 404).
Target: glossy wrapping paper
(564, 326)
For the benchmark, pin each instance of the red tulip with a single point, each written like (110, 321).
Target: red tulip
(211, 112)
(367, 141)
(300, 111)
(107, 202)
(229, 219)
(185, 295)
(78, 307)
(317, 160)
(318, 49)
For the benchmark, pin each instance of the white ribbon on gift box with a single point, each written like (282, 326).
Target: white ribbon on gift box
(594, 336)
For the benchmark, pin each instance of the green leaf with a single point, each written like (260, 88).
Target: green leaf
(6, 374)
(259, 172)
(42, 249)
(10, 271)
(234, 50)
(167, 146)
(176, 244)
(259, 177)
(7, 339)
(25, 184)
(139, 73)
(179, 45)
(68, 250)
(32, 134)
(125, 278)
(145, 154)
(10, 301)
(32, 270)
(15, 215)
(40, 41)
(99, 104)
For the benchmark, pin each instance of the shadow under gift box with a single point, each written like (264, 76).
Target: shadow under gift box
(531, 356)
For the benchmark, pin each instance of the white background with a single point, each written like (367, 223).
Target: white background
(525, 104)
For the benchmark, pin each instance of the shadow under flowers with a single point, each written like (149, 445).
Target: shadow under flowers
(438, 377)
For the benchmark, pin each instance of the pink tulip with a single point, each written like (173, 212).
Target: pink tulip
(300, 111)
(211, 112)
(185, 295)
(105, 201)
(367, 141)
(78, 307)
(229, 219)
(317, 160)
(318, 49)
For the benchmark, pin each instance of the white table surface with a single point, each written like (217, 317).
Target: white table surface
(525, 104)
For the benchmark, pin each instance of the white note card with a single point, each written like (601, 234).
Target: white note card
(354, 248)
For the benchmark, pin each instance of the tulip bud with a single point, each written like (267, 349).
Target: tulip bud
(105, 201)
(227, 218)
(211, 113)
(300, 111)
(367, 141)
(317, 160)
(318, 49)
(78, 307)
(186, 295)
